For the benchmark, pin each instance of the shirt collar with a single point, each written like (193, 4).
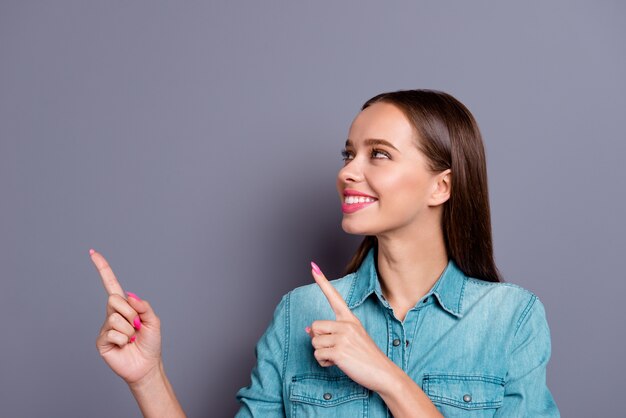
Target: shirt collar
(448, 289)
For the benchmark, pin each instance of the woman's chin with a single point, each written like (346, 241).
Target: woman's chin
(354, 228)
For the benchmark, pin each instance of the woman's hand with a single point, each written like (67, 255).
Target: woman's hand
(345, 343)
(130, 338)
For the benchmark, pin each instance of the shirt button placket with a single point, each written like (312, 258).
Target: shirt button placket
(397, 348)
(395, 338)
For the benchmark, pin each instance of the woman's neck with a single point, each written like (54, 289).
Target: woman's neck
(409, 267)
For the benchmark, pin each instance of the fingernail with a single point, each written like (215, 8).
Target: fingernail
(137, 323)
(315, 268)
(307, 329)
(91, 251)
(133, 338)
(132, 295)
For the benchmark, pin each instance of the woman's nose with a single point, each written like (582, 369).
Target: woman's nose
(351, 172)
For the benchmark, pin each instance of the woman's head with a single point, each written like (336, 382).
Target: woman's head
(387, 185)
(438, 134)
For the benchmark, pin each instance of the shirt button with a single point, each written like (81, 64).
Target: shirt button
(328, 396)
(467, 398)
(396, 342)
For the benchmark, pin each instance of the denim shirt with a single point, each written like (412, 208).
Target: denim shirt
(476, 348)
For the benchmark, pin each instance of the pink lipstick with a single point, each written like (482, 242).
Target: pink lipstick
(351, 196)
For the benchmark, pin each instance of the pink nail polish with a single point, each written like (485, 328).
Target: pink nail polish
(316, 268)
(137, 323)
(133, 338)
(132, 295)
(91, 251)
(307, 329)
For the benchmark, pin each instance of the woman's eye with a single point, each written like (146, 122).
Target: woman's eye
(346, 155)
(376, 153)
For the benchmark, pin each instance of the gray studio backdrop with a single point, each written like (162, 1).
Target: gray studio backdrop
(195, 144)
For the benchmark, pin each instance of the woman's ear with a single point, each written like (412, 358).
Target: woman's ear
(441, 188)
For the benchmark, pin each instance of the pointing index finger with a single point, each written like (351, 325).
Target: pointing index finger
(110, 283)
(335, 299)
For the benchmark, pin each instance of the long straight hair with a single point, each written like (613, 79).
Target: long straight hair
(449, 137)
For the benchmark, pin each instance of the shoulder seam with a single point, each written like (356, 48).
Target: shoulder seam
(524, 314)
(286, 340)
(480, 282)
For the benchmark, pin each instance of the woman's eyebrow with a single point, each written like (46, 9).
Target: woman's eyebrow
(373, 141)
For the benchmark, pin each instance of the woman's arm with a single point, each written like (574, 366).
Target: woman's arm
(404, 397)
(155, 396)
(263, 397)
(526, 392)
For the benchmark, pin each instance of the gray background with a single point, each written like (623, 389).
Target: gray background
(196, 144)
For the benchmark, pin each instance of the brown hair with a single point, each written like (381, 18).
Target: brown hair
(449, 137)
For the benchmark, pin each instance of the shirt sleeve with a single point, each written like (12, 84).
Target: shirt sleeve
(526, 393)
(263, 397)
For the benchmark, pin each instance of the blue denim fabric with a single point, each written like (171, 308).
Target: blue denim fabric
(476, 348)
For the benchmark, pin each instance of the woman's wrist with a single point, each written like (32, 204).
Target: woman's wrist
(154, 377)
(155, 396)
(403, 396)
(392, 379)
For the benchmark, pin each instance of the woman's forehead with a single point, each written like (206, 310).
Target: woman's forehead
(383, 121)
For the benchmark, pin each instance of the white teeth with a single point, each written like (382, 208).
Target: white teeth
(350, 200)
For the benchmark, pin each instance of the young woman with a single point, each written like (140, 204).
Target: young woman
(420, 325)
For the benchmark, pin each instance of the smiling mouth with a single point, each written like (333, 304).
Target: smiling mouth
(352, 204)
(352, 200)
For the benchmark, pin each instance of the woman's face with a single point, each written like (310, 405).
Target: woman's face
(385, 185)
